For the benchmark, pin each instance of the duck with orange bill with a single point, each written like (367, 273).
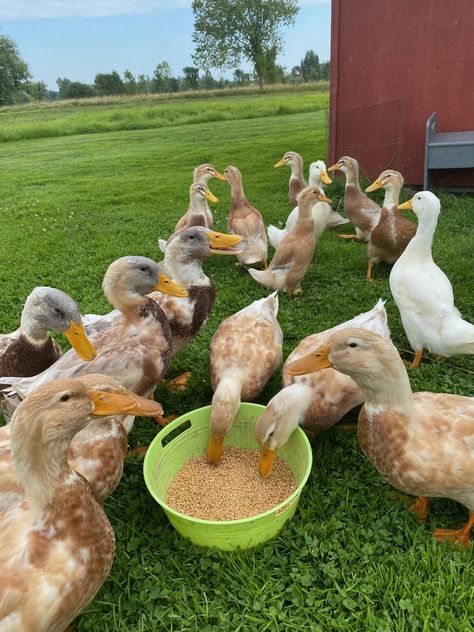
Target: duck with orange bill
(363, 212)
(246, 221)
(136, 351)
(297, 182)
(30, 350)
(421, 443)
(295, 252)
(245, 352)
(390, 237)
(57, 543)
(197, 214)
(203, 174)
(424, 294)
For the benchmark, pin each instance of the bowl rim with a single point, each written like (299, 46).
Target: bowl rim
(288, 501)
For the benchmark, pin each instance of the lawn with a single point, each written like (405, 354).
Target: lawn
(353, 557)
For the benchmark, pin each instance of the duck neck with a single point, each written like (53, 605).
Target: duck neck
(421, 244)
(315, 181)
(238, 195)
(391, 198)
(392, 391)
(297, 171)
(183, 269)
(226, 402)
(35, 332)
(198, 205)
(352, 177)
(305, 210)
(127, 301)
(39, 460)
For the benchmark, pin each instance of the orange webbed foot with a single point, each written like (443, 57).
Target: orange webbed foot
(459, 537)
(348, 237)
(420, 507)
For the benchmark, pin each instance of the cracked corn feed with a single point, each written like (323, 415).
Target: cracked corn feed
(231, 490)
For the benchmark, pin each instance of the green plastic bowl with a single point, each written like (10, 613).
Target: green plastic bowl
(188, 436)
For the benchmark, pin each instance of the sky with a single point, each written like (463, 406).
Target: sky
(79, 38)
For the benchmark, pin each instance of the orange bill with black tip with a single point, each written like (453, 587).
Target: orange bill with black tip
(80, 342)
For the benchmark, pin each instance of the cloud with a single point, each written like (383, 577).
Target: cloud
(34, 9)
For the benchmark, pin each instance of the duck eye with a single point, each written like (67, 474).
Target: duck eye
(144, 269)
(353, 344)
(59, 312)
(191, 236)
(65, 397)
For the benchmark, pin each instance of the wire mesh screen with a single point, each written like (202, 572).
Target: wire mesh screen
(373, 135)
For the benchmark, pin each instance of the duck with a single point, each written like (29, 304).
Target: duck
(295, 252)
(136, 351)
(421, 443)
(198, 211)
(98, 451)
(424, 294)
(316, 401)
(203, 174)
(297, 182)
(363, 212)
(317, 176)
(390, 237)
(246, 221)
(246, 349)
(57, 543)
(30, 350)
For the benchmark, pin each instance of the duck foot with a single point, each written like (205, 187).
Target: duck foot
(460, 537)
(420, 507)
(348, 237)
(417, 359)
(369, 272)
(179, 383)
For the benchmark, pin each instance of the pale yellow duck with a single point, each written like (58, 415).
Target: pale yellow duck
(295, 252)
(316, 401)
(198, 211)
(245, 352)
(57, 543)
(136, 351)
(246, 221)
(297, 182)
(363, 212)
(421, 443)
(203, 174)
(390, 237)
(30, 350)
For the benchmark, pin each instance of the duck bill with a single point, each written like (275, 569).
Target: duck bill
(314, 361)
(80, 342)
(222, 243)
(215, 450)
(375, 186)
(210, 196)
(219, 176)
(124, 403)
(323, 198)
(280, 163)
(325, 178)
(266, 460)
(334, 167)
(406, 206)
(168, 286)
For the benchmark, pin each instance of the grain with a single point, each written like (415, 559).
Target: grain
(231, 490)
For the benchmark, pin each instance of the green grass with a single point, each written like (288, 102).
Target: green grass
(353, 557)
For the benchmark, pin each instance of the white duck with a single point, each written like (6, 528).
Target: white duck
(322, 212)
(423, 293)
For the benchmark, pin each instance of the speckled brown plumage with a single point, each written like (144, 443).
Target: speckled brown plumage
(22, 358)
(390, 237)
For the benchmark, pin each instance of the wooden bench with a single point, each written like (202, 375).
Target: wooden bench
(446, 150)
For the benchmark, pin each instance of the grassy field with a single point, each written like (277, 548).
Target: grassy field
(353, 558)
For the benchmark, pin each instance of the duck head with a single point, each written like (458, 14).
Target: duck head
(291, 159)
(388, 179)
(205, 172)
(318, 173)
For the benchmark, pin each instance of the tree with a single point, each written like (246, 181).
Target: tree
(241, 78)
(74, 89)
(225, 31)
(144, 84)
(38, 90)
(129, 82)
(109, 83)
(14, 72)
(191, 77)
(310, 67)
(325, 69)
(207, 81)
(161, 77)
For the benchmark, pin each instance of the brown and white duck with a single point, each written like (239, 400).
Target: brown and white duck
(363, 212)
(136, 351)
(295, 252)
(245, 352)
(30, 350)
(198, 211)
(246, 221)
(297, 182)
(392, 234)
(203, 174)
(421, 443)
(57, 543)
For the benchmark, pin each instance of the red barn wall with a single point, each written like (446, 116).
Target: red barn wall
(393, 63)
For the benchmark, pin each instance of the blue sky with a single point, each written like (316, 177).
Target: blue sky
(79, 38)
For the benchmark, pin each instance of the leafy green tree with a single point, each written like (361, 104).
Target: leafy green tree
(130, 82)
(191, 77)
(207, 81)
(37, 90)
(144, 84)
(109, 83)
(310, 67)
(14, 72)
(175, 84)
(227, 31)
(325, 70)
(161, 77)
(74, 89)
(241, 78)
